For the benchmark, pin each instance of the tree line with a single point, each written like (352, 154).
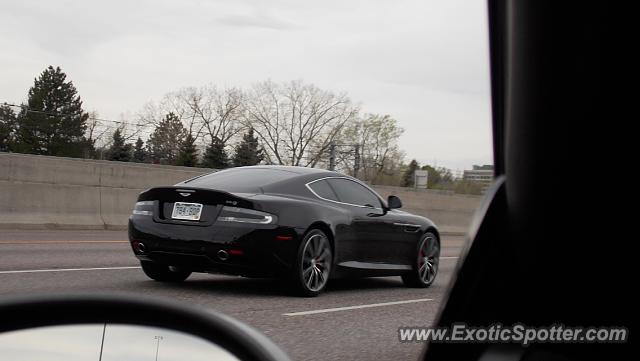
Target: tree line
(440, 178)
(290, 123)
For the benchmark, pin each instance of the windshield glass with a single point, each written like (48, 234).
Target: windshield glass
(101, 101)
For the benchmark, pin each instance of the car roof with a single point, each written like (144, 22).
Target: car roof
(289, 168)
(258, 179)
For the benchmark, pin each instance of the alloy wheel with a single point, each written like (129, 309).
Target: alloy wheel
(428, 259)
(316, 262)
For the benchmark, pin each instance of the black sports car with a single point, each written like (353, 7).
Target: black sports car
(303, 224)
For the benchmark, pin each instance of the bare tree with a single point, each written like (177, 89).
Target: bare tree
(295, 121)
(99, 132)
(377, 139)
(216, 112)
(152, 113)
(92, 132)
(207, 112)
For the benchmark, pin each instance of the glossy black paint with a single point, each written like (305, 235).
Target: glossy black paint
(366, 241)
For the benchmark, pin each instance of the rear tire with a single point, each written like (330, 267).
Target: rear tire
(313, 264)
(425, 267)
(164, 273)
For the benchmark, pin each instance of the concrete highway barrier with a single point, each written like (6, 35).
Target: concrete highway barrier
(56, 192)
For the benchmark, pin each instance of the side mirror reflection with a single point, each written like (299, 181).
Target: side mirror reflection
(108, 342)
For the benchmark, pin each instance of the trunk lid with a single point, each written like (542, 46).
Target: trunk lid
(212, 201)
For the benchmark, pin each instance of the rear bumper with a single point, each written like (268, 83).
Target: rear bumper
(252, 250)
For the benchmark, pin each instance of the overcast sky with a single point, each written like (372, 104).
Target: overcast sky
(425, 63)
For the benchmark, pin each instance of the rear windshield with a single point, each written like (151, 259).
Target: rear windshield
(240, 180)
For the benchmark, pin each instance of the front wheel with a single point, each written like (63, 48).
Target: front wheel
(425, 267)
(313, 264)
(164, 273)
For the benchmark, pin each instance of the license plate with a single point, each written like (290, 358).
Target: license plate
(187, 211)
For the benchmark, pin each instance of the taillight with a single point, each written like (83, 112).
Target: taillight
(144, 208)
(243, 215)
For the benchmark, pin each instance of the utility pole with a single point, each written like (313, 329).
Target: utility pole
(356, 161)
(157, 345)
(332, 155)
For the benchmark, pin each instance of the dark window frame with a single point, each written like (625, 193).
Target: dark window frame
(317, 194)
(381, 203)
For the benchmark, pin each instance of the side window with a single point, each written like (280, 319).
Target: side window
(353, 193)
(322, 189)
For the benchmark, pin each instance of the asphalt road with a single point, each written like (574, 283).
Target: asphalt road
(45, 261)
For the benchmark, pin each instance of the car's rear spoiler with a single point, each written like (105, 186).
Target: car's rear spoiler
(194, 194)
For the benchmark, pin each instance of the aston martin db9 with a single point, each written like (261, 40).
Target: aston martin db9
(303, 224)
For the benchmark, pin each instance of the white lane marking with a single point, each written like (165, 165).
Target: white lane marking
(69, 269)
(326, 310)
(26, 242)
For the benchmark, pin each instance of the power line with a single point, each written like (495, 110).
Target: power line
(55, 114)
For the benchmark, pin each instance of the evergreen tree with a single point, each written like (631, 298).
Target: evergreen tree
(215, 156)
(7, 128)
(139, 153)
(119, 150)
(248, 151)
(408, 177)
(164, 143)
(188, 153)
(54, 123)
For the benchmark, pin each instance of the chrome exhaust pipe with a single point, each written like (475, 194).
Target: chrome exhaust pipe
(140, 247)
(223, 255)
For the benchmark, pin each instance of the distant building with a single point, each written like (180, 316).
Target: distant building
(481, 174)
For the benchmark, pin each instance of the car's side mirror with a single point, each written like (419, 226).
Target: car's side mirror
(394, 202)
(93, 326)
